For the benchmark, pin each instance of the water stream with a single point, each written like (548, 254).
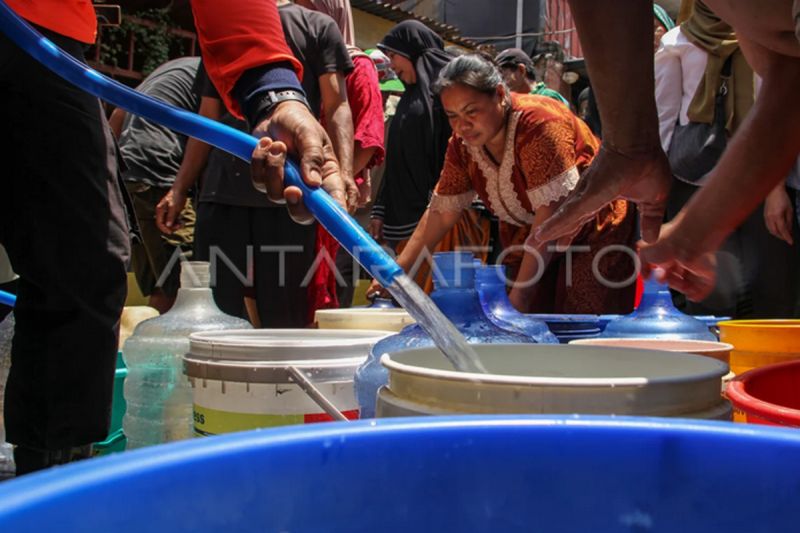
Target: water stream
(447, 338)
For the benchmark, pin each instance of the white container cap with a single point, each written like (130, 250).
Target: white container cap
(364, 318)
(281, 345)
(195, 275)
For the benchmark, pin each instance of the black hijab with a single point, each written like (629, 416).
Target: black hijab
(418, 133)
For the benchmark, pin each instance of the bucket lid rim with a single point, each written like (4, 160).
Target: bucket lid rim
(711, 346)
(717, 370)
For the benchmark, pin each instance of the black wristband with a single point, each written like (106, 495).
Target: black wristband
(264, 104)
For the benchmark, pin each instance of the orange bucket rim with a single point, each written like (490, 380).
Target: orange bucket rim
(751, 405)
(772, 323)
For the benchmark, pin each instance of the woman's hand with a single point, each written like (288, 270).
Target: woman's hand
(375, 229)
(376, 290)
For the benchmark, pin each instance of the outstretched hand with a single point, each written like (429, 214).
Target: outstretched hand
(643, 178)
(682, 260)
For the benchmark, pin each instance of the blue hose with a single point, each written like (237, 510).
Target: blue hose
(329, 213)
(6, 298)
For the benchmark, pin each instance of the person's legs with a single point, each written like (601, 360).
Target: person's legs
(346, 266)
(284, 254)
(222, 237)
(63, 222)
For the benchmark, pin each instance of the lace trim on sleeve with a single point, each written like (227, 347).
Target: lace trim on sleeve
(555, 189)
(451, 202)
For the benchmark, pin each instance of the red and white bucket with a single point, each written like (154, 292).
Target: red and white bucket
(248, 379)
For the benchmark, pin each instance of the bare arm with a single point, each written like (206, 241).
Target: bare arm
(339, 125)
(536, 258)
(362, 157)
(432, 228)
(115, 121)
(195, 156)
(617, 37)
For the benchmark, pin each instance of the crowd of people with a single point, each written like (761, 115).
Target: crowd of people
(442, 149)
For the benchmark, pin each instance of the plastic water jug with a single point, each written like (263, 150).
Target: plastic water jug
(490, 281)
(454, 293)
(158, 394)
(657, 318)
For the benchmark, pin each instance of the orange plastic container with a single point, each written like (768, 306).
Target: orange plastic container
(759, 343)
(769, 395)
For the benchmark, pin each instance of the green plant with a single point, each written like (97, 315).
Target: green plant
(152, 40)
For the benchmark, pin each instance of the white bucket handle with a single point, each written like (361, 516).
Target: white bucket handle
(308, 387)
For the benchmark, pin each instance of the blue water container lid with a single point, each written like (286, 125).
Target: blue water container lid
(657, 318)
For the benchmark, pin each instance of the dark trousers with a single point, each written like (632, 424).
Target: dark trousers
(348, 268)
(757, 273)
(64, 225)
(258, 252)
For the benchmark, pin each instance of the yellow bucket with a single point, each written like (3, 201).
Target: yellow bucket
(759, 343)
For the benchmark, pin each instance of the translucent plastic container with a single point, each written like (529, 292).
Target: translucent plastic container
(657, 318)
(157, 393)
(490, 281)
(457, 298)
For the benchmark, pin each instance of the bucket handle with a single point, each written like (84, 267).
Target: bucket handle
(304, 383)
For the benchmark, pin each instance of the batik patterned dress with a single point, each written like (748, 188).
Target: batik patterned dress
(547, 148)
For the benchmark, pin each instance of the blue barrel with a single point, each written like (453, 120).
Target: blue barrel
(431, 474)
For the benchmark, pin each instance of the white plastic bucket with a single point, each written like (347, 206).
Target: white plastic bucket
(364, 318)
(717, 350)
(248, 379)
(564, 379)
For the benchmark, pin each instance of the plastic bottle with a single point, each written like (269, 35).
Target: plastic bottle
(6, 335)
(490, 281)
(158, 394)
(382, 303)
(455, 295)
(657, 318)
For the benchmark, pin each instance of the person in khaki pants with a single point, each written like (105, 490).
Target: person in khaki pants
(153, 156)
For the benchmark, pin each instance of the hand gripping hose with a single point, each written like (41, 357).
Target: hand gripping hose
(324, 208)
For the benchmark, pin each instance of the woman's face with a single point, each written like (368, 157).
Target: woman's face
(474, 116)
(403, 67)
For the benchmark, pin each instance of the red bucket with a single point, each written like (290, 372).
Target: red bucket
(768, 395)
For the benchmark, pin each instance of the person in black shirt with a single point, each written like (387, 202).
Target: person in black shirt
(235, 222)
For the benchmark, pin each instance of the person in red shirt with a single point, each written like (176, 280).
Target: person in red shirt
(257, 78)
(366, 107)
(63, 214)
